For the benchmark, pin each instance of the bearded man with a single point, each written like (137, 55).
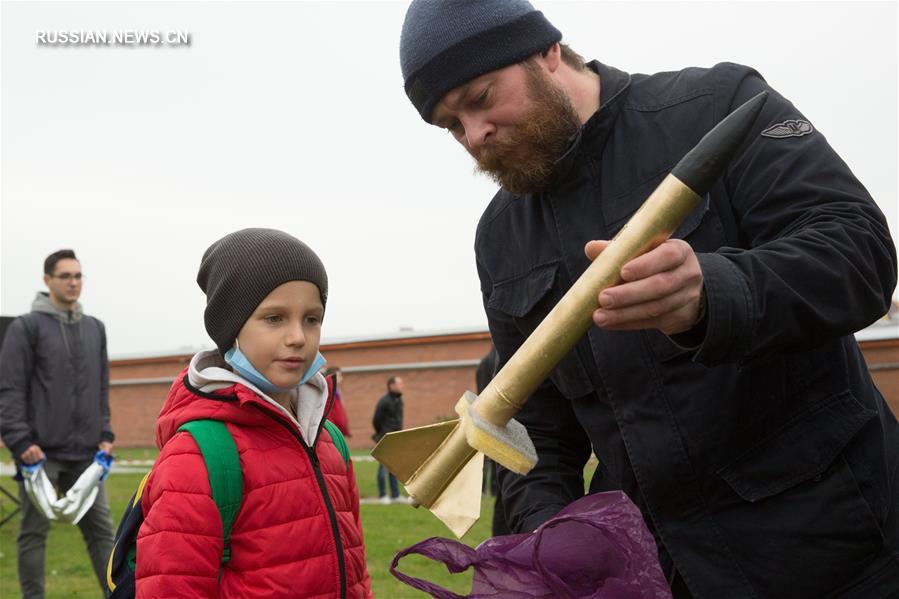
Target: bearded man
(722, 388)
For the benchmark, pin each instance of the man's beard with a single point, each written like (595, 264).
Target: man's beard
(522, 162)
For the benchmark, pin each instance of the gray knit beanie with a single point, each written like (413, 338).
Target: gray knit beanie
(446, 43)
(241, 268)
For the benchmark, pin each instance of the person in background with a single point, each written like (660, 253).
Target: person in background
(337, 415)
(388, 418)
(54, 406)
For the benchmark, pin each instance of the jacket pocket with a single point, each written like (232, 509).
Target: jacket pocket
(663, 347)
(701, 228)
(527, 299)
(518, 296)
(692, 220)
(796, 504)
(800, 450)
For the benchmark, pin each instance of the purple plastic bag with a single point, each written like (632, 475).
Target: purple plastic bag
(596, 548)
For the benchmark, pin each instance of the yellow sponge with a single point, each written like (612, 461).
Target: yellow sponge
(509, 445)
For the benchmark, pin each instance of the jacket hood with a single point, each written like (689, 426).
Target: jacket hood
(43, 304)
(208, 389)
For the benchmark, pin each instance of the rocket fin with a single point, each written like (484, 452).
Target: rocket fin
(403, 452)
(459, 506)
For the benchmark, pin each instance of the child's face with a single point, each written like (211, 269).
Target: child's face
(281, 337)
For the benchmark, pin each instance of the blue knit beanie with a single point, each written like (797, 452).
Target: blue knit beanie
(446, 43)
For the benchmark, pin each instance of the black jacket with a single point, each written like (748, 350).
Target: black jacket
(388, 416)
(485, 370)
(764, 460)
(54, 383)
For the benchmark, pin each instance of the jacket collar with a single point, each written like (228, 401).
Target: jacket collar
(208, 373)
(591, 137)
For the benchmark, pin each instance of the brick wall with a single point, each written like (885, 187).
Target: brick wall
(436, 370)
(883, 362)
(135, 401)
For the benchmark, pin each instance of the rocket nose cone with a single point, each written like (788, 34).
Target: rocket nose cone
(737, 124)
(707, 160)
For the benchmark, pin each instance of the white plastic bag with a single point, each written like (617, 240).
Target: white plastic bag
(72, 506)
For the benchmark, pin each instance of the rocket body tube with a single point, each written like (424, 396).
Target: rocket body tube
(570, 319)
(650, 226)
(435, 462)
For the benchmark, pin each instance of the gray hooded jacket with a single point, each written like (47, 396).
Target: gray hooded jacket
(54, 383)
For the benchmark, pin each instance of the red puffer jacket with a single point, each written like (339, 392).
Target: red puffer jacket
(298, 533)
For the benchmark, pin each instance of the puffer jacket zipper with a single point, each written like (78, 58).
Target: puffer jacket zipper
(319, 477)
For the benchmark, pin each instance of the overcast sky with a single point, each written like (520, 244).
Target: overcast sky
(293, 116)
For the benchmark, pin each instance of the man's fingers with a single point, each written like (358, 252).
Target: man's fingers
(667, 256)
(660, 290)
(641, 291)
(32, 455)
(649, 311)
(674, 283)
(595, 248)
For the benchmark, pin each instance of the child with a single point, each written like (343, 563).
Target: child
(298, 532)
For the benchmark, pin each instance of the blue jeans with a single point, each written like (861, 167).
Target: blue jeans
(382, 484)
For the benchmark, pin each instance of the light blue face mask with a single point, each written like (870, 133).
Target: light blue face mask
(317, 364)
(242, 366)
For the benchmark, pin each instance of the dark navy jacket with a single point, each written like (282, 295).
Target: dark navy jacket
(761, 454)
(388, 416)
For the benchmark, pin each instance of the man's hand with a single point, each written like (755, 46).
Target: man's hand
(105, 446)
(659, 290)
(32, 455)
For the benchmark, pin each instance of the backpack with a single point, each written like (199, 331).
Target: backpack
(30, 331)
(226, 481)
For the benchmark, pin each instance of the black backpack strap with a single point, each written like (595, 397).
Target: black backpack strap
(30, 327)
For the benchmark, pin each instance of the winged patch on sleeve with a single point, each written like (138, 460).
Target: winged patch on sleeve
(790, 128)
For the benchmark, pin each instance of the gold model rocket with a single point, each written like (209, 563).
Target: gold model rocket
(441, 465)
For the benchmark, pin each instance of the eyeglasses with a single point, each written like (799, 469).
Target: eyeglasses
(67, 276)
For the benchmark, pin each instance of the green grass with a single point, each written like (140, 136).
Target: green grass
(68, 569)
(135, 453)
(387, 530)
(390, 528)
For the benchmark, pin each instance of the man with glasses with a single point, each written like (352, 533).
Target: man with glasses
(54, 406)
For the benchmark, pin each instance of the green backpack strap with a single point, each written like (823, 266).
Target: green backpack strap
(339, 441)
(223, 466)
